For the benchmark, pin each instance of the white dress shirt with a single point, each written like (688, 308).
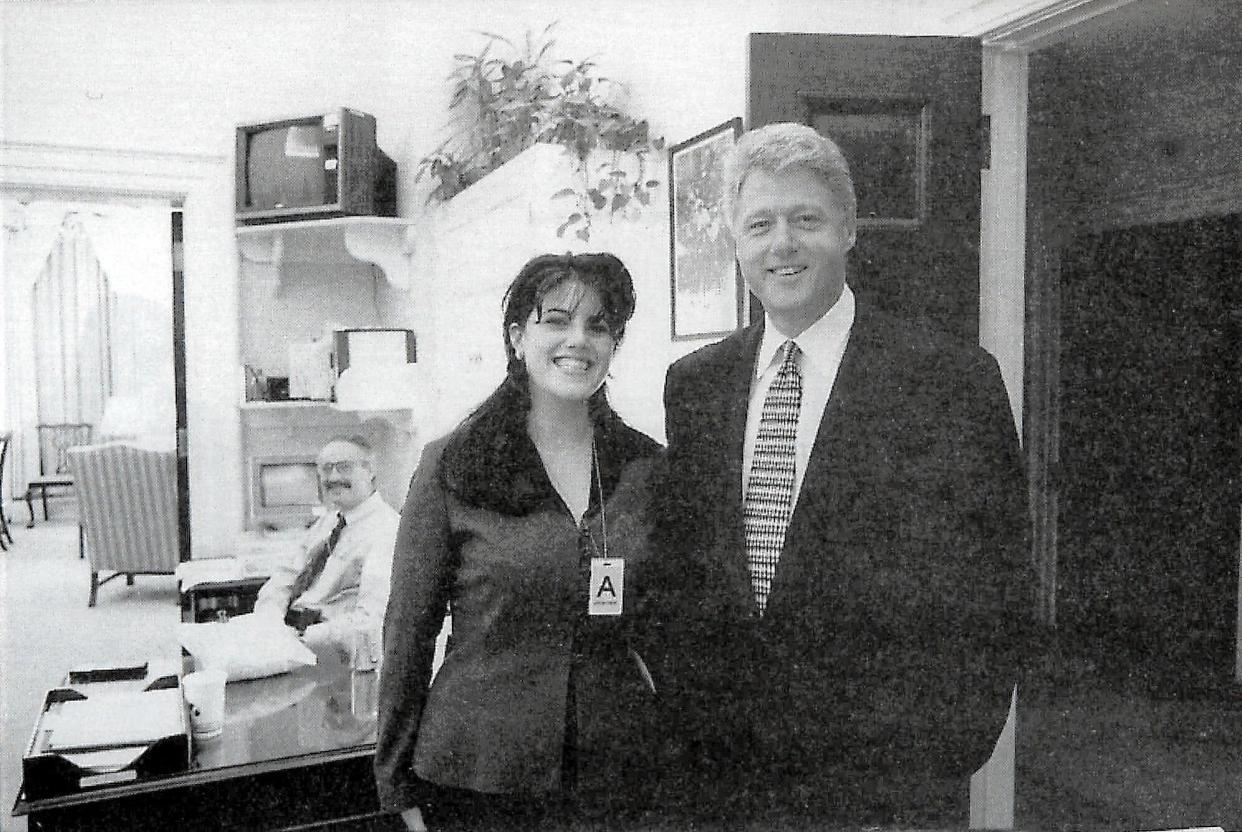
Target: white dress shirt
(822, 344)
(353, 586)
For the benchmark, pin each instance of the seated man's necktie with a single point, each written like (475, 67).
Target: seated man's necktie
(316, 562)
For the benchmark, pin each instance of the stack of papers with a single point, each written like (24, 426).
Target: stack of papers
(258, 553)
(106, 722)
(255, 560)
(191, 573)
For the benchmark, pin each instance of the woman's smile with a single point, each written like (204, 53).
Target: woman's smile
(565, 344)
(572, 364)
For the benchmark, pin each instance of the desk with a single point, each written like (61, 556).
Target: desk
(220, 600)
(294, 754)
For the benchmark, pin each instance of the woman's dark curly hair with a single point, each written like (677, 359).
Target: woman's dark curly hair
(474, 462)
(605, 273)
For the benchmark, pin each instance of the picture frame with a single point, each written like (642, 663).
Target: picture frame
(885, 141)
(707, 294)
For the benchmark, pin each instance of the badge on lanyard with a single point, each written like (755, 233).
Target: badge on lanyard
(607, 586)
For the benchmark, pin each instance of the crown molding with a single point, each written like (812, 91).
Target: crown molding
(1044, 25)
(79, 171)
(25, 147)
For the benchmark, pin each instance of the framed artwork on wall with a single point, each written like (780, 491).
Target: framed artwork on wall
(708, 298)
(885, 142)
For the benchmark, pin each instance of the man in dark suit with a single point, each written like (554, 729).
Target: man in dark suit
(842, 524)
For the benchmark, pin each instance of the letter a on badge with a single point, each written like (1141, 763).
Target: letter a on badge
(607, 586)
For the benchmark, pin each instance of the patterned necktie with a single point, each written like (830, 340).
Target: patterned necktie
(317, 560)
(770, 490)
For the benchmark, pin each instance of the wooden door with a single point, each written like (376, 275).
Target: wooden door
(1148, 554)
(907, 113)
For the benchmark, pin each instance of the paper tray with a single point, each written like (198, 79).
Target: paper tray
(106, 726)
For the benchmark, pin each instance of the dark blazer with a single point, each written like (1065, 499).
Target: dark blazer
(525, 661)
(882, 668)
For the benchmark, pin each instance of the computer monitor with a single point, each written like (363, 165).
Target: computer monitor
(284, 491)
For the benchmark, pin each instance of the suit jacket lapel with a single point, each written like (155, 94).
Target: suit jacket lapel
(832, 469)
(734, 396)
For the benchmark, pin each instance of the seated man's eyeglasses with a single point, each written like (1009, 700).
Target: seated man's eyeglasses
(345, 466)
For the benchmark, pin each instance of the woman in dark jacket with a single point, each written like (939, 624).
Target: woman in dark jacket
(528, 525)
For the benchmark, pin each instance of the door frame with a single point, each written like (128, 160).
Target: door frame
(1024, 288)
(187, 182)
(1046, 243)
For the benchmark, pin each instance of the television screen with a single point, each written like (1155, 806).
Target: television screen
(288, 484)
(283, 493)
(290, 166)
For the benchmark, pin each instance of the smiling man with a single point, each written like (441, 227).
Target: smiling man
(339, 579)
(842, 522)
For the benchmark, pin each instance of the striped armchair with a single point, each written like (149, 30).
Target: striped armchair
(127, 498)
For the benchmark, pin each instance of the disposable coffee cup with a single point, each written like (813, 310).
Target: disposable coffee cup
(204, 693)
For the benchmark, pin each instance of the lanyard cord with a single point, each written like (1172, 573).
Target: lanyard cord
(599, 484)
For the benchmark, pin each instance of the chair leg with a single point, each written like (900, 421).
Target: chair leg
(30, 508)
(43, 493)
(129, 578)
(81, 542)
(94, 588)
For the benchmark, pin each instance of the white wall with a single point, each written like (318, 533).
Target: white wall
(177, 75)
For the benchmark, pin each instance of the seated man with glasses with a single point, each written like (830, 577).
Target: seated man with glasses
(339, 579)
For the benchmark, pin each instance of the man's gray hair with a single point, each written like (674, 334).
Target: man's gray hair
(777, 148)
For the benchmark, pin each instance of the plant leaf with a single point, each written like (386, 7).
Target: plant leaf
(597, 199)
(491, 36)
(564, 192)
(584, 234)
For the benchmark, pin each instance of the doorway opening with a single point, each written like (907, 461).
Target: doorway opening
(1151, 418)
(91, 295)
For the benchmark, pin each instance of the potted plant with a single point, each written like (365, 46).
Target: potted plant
(502, 104)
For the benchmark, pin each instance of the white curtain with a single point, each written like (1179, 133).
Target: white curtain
(135, 250)
(119, 343)
(72, 330)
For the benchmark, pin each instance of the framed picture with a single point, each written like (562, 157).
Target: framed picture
(707, 294)
(885, 141)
